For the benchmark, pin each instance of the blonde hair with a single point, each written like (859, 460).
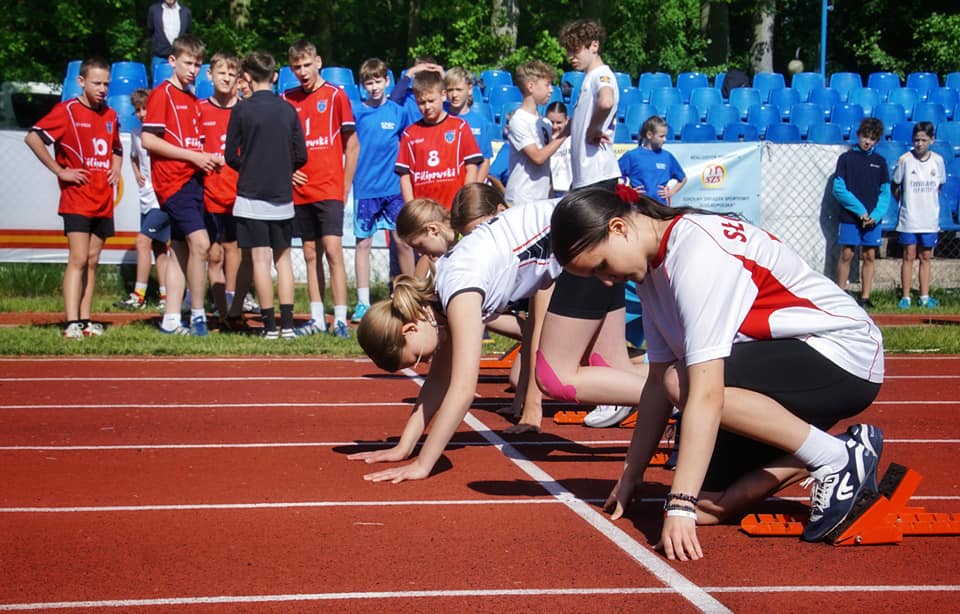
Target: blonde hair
(419, 212)
(227, 58)
(472, 202)
(380, 333)
(302, 49)
(187, 43)
(533, 70)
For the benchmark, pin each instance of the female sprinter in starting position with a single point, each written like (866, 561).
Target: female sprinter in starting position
(743, 336)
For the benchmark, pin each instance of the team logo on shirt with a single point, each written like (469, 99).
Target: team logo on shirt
(322, 106)
(109, 127)
(449, 136)
(713, 176)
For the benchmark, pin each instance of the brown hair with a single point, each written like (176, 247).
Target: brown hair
(427, 81)
(580, 33)
(871, 127)
(650, 125)
(472, 202)
(227, 58)
(532, 71)
(301, 49)
(138, 97)
(380, 332)
(188, 43)
(372, 69)
(92, 63)
(260, 65)
(418, 213)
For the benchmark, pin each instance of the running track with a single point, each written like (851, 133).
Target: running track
(198, 485)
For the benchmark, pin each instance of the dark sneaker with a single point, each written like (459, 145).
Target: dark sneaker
(311, 327)
(131, 303)
(866, 303)
(871, 438)
(288, 333)
(340, 330)
(835, 491)
(198, 327)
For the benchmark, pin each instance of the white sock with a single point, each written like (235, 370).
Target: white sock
(924, 297)
(198, 313)
(821, 449)
(170, 321)
(363, 295)
(140, 289)
(339, 313)
(318, 313)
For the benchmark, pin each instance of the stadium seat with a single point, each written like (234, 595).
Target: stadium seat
(949, 197)
(555, 96)
(161, 72)
(847, 118)
(946, 96)
(890, 219)
(493, 77)
(662, 98)
(338, 75)
(719, 115)
(203, 88)
(866, 97)
(740, 132)
(784, 99)
(929, 112)
(950, 132)
(498, 95)
(570, 85)
(883, 82)
(718, 80)
(923, 82)
(944, 148)
(903, 132)
(650, 81)
(73, 69)
(126, 77)
(826, 97)
(890, 113)
(635, 116)
(704, 97)
(351, 90)
(698, 133)
(679, 115)
(483, 108)
(805, 114)
(844, 82)
(502, 116)
(905, 96)
(743, 98)
(688, 81)
(782, 133)
(952, 80)
(762, 116)
(953, 168)
(71, 89)
(628, 96)
(765, 82)
(621, 134)
(126, 114)
(624, 80)
(287, 79)
(825, 134)
(891, 151)
(803, 82)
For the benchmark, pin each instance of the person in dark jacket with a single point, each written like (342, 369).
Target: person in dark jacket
(166, 21)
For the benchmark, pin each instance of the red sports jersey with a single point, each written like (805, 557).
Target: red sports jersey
(83, 138)
(220, 186)
(435, 155)
(326, 117)
(174, 115)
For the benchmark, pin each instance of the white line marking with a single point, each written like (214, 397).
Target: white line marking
(886, 377)
(258, 506)
(371, 404)
(278, 378)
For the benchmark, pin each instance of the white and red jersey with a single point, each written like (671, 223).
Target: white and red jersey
(920, 182)
(174, 115)
(327, 119)
(717, 281)
(506, 259)
(435, 157)
(220, 186)
(83, 138)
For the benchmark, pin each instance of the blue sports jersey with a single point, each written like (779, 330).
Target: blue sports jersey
(500, 167)
(650, 169)
(483, 131)
(378, 130)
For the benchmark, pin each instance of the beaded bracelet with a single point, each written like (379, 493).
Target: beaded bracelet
(681, 497)
(674, 507)
(683, 513)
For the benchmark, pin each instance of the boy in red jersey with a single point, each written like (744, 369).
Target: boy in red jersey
(321, 186)
(438, 154)
(87, 159)
(220, 186)
(171, 133)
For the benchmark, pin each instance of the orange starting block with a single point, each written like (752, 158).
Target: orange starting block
(504, 361)
(877, 518)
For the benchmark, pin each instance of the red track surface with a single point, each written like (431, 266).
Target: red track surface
(222, 485)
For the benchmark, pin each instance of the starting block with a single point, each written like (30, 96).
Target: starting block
(504, 361)
(877, 518)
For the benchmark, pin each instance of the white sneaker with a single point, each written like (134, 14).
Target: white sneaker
(607, 415)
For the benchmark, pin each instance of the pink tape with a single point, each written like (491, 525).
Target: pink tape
(551, 383)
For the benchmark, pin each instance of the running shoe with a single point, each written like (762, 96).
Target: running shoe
(929, 302)
(131, 303)
(287, 333)
(309, 328)
(340, 330)
(835, 491)
(904, 303)
(866, 303)
(92, 329)
(74, 330)
(359, 312)
(233, 324)
(179, 331)
(607, 415)
(198, 327)
(270, 335)
(250, 304)
(162, 305)
(871, 438)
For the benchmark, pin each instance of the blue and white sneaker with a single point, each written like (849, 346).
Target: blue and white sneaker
(870, 437)
(340, 330)
(309, 328)
(198, 327)
(835, 491)
(359, 312)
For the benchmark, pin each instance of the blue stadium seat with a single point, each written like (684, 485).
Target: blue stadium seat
(782, 133)
(555, 96)
(624, 80)
(944, 148)
(948, 97)
(953, 168)
(890, 113)
(923, 82)
(126, 77)
(883, 82)
(73, 69)
(286, 79)
(502, 116)
(888, 222)
(688, 81)
(950, 132)
(844, 82)
(784, 99)
(903, 132)
(203, 88)
(743, 98)
(825, 134)
(635, 115)
(762, 116)
(338, 75)
(679, 115)
(905, 96)
(805, 114)
(621, 134)
(952, 80)
(803, 82)
(826, 97)
(719, 115)
(573, 80)
(650, 81)
(698, 133)
(740, 132)
(866, 97)
(718, 80)
(705, 97)
(483, 108)
(494, 77)
(949, 197)
(662, 98)
(498, 95)
(161, 72)
(891, 151)
(126, 114)
(929, 112)
(765, 82)
(628, 96)
(71, 89)
(847, 118)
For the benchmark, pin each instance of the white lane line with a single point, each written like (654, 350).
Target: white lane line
(441, 594)
(279, 378)
(181, 507)
(370, 404)
(886, 377)
(180, 360)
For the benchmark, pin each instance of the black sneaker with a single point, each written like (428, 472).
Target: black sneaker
(835, 491)
(871, 438)
(866, 303)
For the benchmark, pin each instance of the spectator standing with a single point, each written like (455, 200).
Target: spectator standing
(166, 20)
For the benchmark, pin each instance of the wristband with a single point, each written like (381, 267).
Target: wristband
(683, 513)
(681, 497)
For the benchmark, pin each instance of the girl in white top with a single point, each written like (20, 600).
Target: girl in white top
(916, 182)
(560, 160)
(741, 335)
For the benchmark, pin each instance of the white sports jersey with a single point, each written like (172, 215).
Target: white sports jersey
(593, 163)
(506, 259)
(148, 198)
(920, 183)
(528, 181)
(718, 281)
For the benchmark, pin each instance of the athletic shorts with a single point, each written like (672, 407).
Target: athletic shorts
(276, 234)
(155, 224)
(854, 234)
(185, 209)
(317, 220)
(373, 214)
(99, 226)
(585, 298)
(798, 377)
(926, 240)
(221, 227)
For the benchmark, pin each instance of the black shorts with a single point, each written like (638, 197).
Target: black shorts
(317, 220)
(99, 226)
(221, 227)
(185, 209)
(276, 234)
(585, 298)
(798, 377)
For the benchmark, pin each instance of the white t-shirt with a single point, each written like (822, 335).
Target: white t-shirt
(506, 259)
(920, 183)
(593, 163)
(560, 169)
(148, 198)
(171, 21)
(528, 181)
(718, 281)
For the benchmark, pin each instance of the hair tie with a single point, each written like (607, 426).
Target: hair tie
(627, 194)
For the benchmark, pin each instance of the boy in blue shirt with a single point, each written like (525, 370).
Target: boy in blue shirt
(376, 188)
(459, 87)
(650, 168)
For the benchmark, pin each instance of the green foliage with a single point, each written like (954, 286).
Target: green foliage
(938, 37)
